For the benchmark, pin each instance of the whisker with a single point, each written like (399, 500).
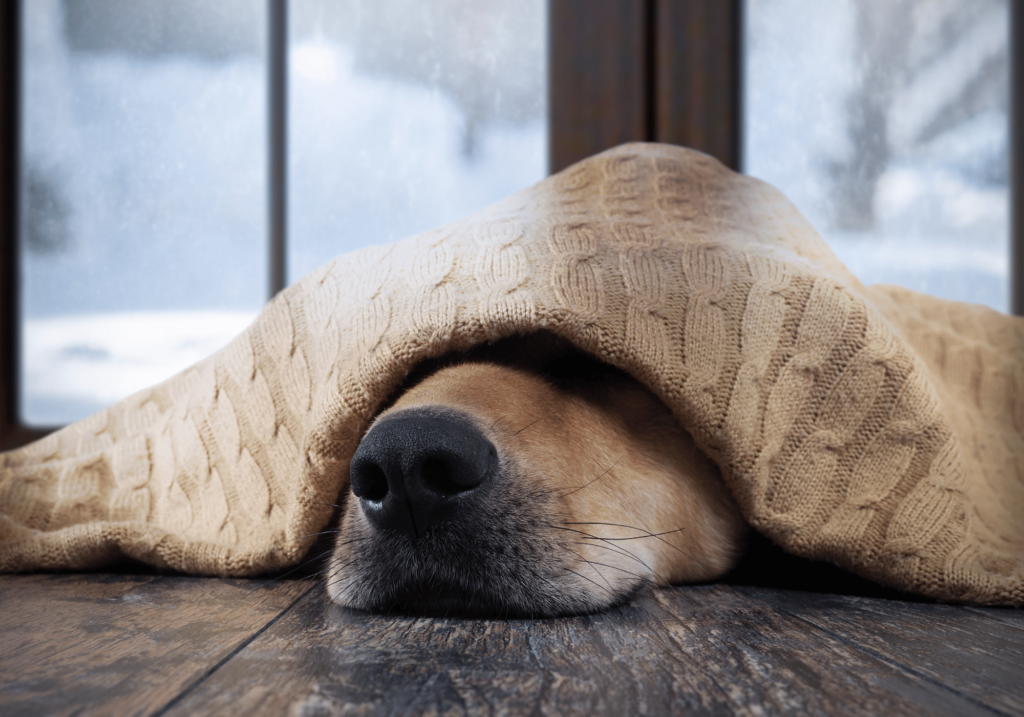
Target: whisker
(590, 581)
(624, 551)
(621, 525)
(526, 426)
(588, 562)
(335, 573)
(610, 548)
(315, 558)
(616, 550)
(349, 541)
(299, 501)
(300, 566)
(313, 535)
(613, 567)
(541, 577)
(575, 490)
(331, 505)
(648, 535)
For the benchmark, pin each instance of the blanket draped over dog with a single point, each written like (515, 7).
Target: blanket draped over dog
(877, 428)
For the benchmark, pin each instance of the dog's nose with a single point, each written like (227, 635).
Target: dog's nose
(418, 469)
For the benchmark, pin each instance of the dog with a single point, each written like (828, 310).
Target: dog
(526, 479)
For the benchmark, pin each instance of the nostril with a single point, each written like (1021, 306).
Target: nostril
(447, 477)
(369, 481)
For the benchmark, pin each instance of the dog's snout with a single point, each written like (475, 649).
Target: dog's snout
(415, 470)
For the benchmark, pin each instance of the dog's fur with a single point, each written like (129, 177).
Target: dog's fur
(596, 492)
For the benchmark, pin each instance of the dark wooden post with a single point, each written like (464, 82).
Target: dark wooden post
(698, 76)
(10, 152)
(12, 432)
(597, 86)
(648, 70)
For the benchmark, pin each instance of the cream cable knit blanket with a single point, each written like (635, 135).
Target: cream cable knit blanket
(876, 428)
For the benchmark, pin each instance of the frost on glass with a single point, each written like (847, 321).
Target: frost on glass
(886, 122)
(143, 193)
(406, 115)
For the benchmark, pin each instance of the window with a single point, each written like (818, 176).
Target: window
(405, 115)
(887, 124)
(145, 163)
(619, 70)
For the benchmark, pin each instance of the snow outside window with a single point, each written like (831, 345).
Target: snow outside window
(145, 152)
(886, 122)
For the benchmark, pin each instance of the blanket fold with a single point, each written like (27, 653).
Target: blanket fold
(877, 428)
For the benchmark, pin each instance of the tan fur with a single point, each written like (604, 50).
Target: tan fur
(638, 502)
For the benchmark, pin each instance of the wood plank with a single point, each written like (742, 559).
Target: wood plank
(1010, 617)
(597, 85)
(708, 649)
(122, 644)
(969, 650)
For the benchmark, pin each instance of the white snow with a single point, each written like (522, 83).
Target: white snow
(88, 361)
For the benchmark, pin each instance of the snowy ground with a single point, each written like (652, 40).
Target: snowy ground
(85, 362)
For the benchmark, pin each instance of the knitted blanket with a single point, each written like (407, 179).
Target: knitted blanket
(876, 428)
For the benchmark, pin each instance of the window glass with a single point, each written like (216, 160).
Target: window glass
(144, 238)
(143, 191)
(885, 121)
(408, 114)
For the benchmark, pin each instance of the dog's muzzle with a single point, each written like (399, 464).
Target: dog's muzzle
(421, 468)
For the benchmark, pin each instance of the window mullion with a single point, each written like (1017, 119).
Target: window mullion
(277, 134)
(10, 151)
(1017, 158)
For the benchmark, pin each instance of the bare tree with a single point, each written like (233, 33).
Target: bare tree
(926, 67)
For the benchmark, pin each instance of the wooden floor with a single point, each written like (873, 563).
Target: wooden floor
(153, 645)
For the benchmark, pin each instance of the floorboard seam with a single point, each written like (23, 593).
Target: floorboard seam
(228, 657)
(898, 665)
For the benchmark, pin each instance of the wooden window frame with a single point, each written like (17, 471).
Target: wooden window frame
(12, 432)
(619, 71)
(645, 70)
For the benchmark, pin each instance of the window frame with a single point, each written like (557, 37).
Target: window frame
(619, 71)
(651, 71)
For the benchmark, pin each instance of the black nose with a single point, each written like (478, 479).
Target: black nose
(417, 469)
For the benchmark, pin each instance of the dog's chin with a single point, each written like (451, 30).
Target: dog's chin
(442, 600)
(455, 601)
(450, 574)
(446, 600)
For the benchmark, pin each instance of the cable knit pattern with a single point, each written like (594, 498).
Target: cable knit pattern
(875, 427)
